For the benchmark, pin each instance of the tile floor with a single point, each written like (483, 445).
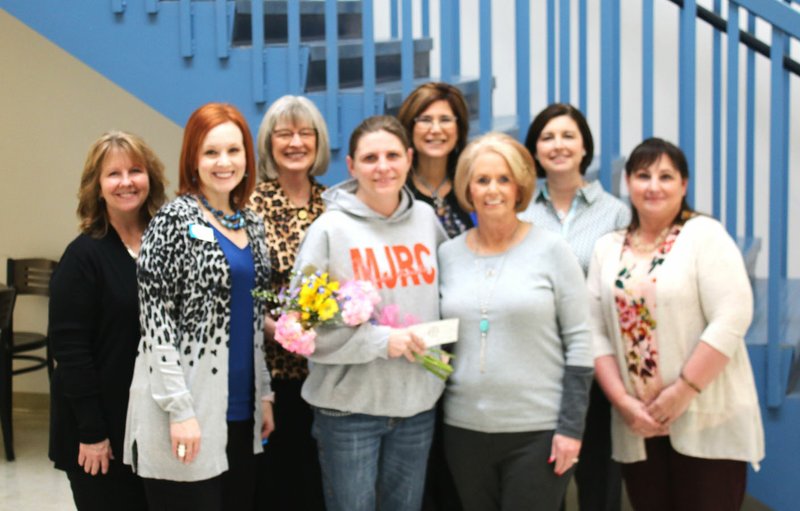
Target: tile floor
(31, 483)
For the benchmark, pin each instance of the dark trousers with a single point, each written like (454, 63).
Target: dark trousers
(233, 489)
(289, 477)
(440, 490)
(504, 471)
(670, 481)
(597, 476)
(119, 489)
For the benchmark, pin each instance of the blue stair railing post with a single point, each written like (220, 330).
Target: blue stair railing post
(647, 69)
(426, 18)
(609, 93)
(257, 50)
(716, 120)
(564, 17)
(393, 25)
(118, 6)
(332, 71)
(407, 49)
(151, 6)
(777, 220)
(448, 44)
(750, 137)
(485, 81)
(221, 28)
(522, 30)
(455, 13)
(583, 102)
(368, 58)
(732, 130)
(687, 86)
(185, 28)
(551, 51)
(293, 45)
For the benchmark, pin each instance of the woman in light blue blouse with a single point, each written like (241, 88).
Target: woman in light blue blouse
(561, 143)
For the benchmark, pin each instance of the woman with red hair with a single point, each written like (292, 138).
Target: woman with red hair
(200, 401)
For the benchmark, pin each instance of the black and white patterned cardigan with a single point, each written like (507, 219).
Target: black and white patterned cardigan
(182, 365)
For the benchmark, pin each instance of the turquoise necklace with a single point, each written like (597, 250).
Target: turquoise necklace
(234, 221)
(486, 274)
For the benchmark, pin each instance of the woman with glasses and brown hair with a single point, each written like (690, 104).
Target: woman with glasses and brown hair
(436, 119)
(293, 149)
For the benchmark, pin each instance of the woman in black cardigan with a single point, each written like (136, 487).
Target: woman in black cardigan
(94, 321)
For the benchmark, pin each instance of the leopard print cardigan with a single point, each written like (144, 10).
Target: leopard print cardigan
(181, 369)
(285, 224)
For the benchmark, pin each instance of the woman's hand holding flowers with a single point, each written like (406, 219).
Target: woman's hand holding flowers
(406, 344)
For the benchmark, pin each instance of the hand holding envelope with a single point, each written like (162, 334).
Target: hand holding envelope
(436, 333)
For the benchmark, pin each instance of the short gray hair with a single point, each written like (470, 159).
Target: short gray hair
(295, 109)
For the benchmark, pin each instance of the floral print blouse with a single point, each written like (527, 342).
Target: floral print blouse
(635, 297)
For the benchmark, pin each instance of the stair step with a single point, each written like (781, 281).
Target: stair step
(312, 21)
(387, 62)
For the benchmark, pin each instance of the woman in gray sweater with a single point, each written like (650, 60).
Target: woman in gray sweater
(515, 405)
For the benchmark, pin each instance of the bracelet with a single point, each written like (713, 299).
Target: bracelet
(690, 384)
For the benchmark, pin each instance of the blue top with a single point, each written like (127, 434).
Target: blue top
(593, 213)
(241, 376)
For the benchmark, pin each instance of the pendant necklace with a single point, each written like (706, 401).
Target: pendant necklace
(234, 221)
(438, 202)
(485, 274)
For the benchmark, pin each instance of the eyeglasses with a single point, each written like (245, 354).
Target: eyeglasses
(427, 122)
(288, 135)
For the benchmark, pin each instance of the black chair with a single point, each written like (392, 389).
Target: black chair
(27, 277)
(7, 296)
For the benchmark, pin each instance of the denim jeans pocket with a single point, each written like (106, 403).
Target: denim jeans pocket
(330, 412)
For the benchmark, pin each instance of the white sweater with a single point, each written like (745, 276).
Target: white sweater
(703, 294)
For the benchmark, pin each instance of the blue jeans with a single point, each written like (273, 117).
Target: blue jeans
(370, 462)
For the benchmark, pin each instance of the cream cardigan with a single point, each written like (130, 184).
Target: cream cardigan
(702, 293)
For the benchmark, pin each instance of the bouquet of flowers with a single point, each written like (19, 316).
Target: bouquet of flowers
(317, 299)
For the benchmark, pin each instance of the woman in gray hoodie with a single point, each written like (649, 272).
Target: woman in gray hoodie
(373, 405)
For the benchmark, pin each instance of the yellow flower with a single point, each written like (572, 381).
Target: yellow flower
(328, 309)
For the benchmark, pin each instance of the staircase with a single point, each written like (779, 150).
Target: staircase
(178, 54)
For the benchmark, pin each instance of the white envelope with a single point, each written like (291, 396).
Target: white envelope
(435, 333)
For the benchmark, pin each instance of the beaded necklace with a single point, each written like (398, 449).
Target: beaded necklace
(234, 221)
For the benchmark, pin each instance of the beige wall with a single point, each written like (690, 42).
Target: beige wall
(53, 107)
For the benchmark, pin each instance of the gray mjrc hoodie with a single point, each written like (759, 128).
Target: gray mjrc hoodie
(350, 370)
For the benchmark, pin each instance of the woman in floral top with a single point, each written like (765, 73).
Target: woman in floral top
(293, 148)
(671, 304)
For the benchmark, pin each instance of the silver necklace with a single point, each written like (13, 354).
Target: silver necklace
(486, 298)
(438, 202)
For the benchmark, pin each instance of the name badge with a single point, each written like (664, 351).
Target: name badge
(201, 232)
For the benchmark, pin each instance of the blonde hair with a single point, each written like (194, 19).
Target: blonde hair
(294, 109)
(517, 158)
(91, 208)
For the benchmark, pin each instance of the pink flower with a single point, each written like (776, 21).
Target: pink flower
(390, 316)
(289, 332)
(357, 299)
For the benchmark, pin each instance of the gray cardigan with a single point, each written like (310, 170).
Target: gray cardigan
(182, 367)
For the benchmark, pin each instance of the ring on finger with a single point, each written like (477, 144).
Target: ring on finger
(181, 450)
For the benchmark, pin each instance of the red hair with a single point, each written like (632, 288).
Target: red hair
(203, 120)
